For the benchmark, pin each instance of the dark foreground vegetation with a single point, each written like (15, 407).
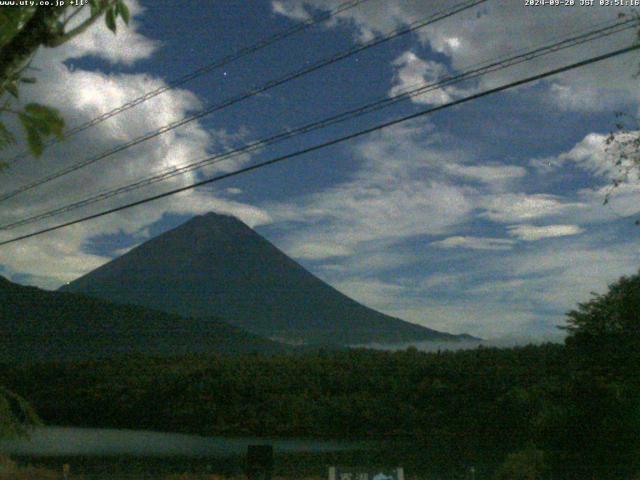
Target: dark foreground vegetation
(566, 411)
(38, 325)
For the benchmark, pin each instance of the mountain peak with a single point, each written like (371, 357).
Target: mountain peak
(214, 222)
(217, 217)
(215, 265)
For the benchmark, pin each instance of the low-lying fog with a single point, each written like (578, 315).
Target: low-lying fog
(502, 342)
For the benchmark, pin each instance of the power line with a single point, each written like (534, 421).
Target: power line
(336, 141)
(488, 67)
(251, 93)
(232, 57)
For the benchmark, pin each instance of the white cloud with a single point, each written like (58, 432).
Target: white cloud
(318, 250)
(496, 174)
(592, 90)
(409, 183)
(503, 295)
(531, 232)
(623, 202)
(475, 243)
(125, 47)
(484, 319)
(594, 157)
(412, 72)
(371, 292)
(497, 29)
(295, 11)
(589, 154)
(565, 274)
(516, 207)
(57, 260)
(392, 195)
(81, 95)
(438, 280)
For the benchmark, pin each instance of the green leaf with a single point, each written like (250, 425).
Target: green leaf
(12, 88)
(123, 10)
(48, 120)
(110, 19)
(12, 20)
(16, 415)
(40, 121)
(94, 6)
(39, 110)
(34, 138)
(6, 137)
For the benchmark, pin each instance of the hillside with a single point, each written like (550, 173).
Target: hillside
(215, 265)
(37, 325)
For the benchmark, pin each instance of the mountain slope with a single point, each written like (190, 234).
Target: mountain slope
(37, 325)
(216, 265)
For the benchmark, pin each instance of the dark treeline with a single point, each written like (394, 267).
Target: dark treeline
(471, 407)
(568, 411)
(354, 394)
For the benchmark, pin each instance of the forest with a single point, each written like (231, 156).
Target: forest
(569, 410)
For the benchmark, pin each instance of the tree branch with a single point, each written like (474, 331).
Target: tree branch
(70, 17)
(37, 31)
(65, 37)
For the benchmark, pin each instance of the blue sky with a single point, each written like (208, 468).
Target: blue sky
(486, 218)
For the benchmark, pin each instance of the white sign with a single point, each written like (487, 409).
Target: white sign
(363, 473)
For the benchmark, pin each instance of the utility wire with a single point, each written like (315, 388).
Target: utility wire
(496, 65)
(269, 85)
(232, 57)
(336, 141)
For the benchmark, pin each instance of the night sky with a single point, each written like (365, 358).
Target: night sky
(485, 218)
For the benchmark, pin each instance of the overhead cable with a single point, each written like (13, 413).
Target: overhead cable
(329, 143)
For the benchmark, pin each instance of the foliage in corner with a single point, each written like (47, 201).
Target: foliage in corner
(23, 30)
(622, 145)
(16, 415)
(610, 316)
(600, 431)
(623, 150)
